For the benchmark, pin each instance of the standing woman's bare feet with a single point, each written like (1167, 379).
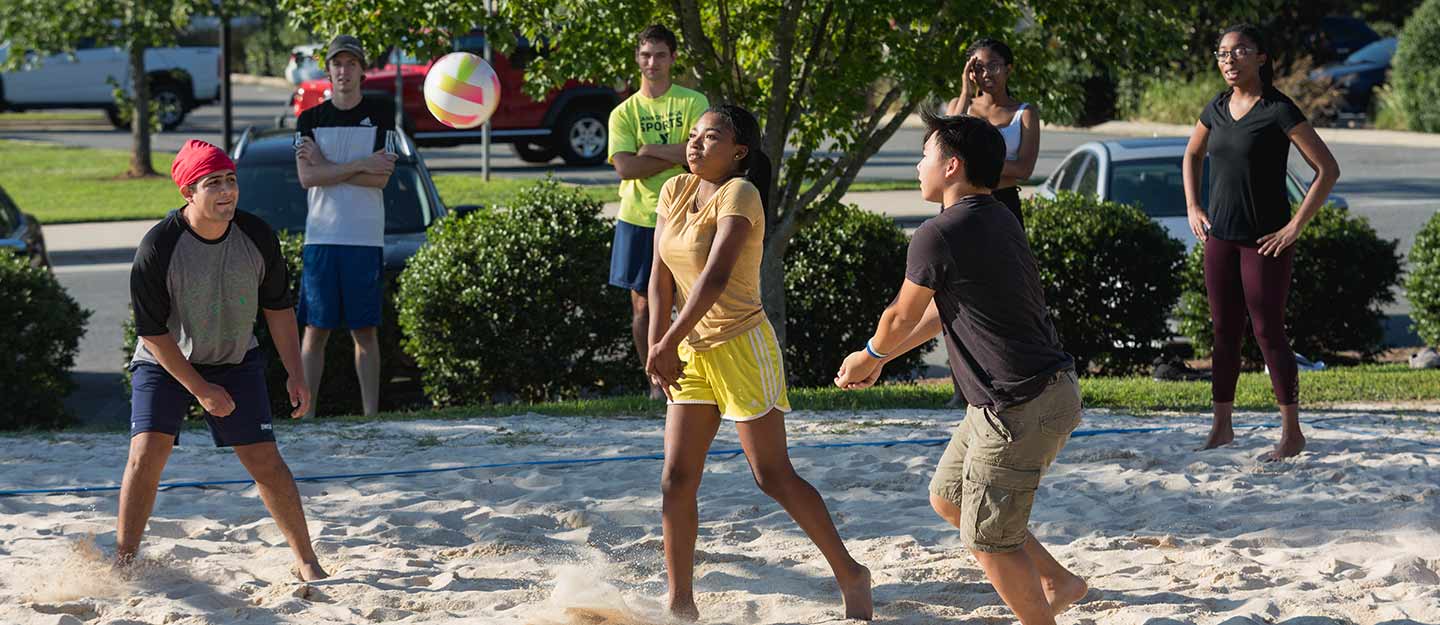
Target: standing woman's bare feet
(308, 572)
(1290, 445)
(1064, 593)
(1219, 437)
(859, 604)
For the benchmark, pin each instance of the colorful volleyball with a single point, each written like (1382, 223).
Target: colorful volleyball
(462, 90)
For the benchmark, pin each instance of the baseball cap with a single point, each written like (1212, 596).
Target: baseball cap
(345, 43)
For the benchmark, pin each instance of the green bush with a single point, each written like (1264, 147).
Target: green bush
(1343, 274)
(1422, 286)
(839, 275)
(514, 303)
(40, 330)
(1109, 273)
(339, 388)
(1416, 73)
(1174, 99)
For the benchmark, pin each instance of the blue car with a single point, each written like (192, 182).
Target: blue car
(1360, 73)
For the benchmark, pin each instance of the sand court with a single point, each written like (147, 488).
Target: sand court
(1347, 533)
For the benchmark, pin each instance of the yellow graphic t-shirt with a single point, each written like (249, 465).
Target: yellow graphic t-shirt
(646, 121)
(685, 243)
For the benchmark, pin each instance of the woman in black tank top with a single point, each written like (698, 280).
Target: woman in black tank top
(985, 94)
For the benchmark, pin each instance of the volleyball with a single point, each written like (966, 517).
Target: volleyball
(462, 90)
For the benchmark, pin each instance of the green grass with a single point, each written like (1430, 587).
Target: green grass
(50, 116)
(461, 189)
(61, 184)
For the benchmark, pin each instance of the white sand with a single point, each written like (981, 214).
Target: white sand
(1348, 533)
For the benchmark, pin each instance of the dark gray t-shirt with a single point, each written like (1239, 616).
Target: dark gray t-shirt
(206, 293)
(1248, 162)
(1003, 347)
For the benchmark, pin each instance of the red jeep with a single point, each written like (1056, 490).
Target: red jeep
(572, 122)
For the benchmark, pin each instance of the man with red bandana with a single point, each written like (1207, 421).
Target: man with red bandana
(199, 278)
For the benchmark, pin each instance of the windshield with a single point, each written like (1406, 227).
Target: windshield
(1156, 185)
(273, 193)
(1379, 52)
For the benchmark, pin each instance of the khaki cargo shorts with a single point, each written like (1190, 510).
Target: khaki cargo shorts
(994, 461)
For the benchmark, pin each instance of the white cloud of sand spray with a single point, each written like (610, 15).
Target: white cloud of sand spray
(582, 596)
(82, 572)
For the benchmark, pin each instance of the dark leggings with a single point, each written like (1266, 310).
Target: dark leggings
(1010, 197)
(1239, 280)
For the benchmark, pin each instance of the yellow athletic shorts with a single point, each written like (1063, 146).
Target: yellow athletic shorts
(744, 377)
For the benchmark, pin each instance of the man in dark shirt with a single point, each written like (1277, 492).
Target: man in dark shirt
(199, 277)
(970, 274)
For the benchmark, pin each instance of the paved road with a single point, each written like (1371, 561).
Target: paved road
(1397, 188)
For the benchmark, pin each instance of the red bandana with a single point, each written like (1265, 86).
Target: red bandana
(197, 160)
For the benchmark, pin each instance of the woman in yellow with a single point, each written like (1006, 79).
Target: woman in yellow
(719, 359)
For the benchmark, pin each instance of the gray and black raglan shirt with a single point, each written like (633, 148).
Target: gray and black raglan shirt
(206, 293)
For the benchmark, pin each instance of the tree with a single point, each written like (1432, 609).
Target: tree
(54, 26)
(830, 80)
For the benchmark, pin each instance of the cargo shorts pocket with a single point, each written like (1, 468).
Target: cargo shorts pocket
(996, 506)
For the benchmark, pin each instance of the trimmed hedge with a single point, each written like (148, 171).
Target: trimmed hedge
(514, 303)
(1422, 286)
(840, 273)
(1343, 274)
(40, 330)
(1109, 273)
(1416, 70)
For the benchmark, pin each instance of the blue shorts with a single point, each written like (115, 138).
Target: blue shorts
(340, 286)
(158, 402)
(631, 255)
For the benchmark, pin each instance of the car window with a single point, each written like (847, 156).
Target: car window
(473, 43)
(273, 193)
(1155, 186)
(9, 217)
(1088, 182)
(1065, 174)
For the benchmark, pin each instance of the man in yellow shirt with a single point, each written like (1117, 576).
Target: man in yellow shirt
(647, 147)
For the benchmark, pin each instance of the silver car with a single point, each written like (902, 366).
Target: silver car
(1147, 172)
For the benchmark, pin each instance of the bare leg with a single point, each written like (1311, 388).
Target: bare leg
(1036, 586)
(149, 451)
(764, 443)
(1222, 432)
(640, 332)
(282, 499)
(312, 359)
(367, 367)
(1062, 588)
(1292, 440)
(689, 429)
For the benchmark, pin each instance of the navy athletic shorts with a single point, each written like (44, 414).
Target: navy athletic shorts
(158, 401)
(631, 255)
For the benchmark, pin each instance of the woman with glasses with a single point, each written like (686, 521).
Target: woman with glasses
(985, 94)
(1248, 230)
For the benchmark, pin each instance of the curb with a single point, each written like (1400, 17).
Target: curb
(262, 81)
(1347, 136)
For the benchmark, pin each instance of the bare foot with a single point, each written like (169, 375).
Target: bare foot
(1288, 447)
(1219, 437)
(123, 564)
(859, 604)
(684, 609)
(309, 572)
(1064, 593)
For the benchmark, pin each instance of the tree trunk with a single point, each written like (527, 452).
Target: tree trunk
(772, 284)
(140, 165)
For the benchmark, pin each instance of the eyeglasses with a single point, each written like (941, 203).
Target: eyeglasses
(991, 68)
(1237, 54)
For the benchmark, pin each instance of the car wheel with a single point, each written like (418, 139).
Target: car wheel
(168, 104)
(582, 136)
(533, 152)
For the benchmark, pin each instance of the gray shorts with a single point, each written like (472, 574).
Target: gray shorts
(994, 462)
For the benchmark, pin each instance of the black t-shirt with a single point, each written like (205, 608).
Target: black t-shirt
(1003, 347)
(1248, 163)
(347, 214)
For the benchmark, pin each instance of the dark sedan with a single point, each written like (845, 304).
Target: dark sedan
(1361, 73)
(270, 188)
(21, 234)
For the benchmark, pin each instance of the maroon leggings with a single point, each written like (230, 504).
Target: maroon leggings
(1240, 280)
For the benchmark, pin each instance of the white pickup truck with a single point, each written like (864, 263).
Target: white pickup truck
(181, 79)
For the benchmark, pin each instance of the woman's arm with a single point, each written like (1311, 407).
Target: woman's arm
(661, 289)
(1024, 164)
(663, 363)
(961, 105)
(1191, 171)
(1327, 171)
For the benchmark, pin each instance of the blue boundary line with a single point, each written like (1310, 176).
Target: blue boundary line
(728, 453)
